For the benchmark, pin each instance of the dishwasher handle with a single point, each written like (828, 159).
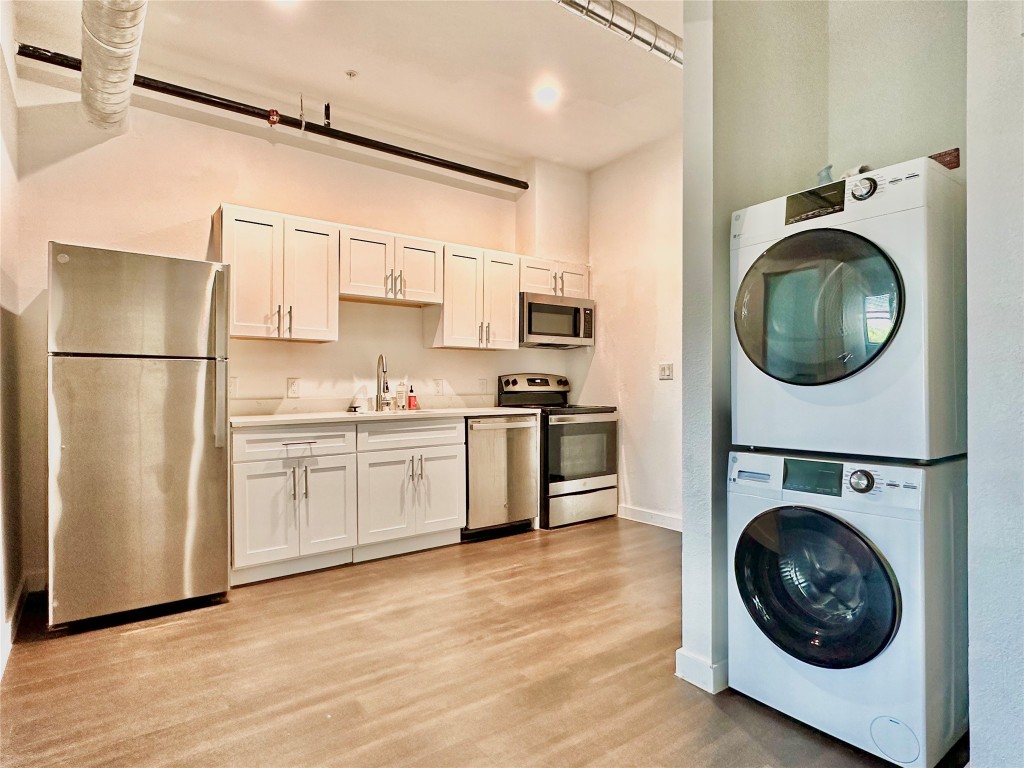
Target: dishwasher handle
(491, 424)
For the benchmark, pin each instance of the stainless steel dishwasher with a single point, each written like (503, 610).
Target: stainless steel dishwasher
(503, 455)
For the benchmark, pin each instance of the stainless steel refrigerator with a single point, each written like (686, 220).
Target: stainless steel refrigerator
(137, 428)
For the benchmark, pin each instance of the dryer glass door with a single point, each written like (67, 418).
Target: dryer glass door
(818, 306)
(816, 587)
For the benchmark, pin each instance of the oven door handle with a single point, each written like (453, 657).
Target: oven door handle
(583, 418)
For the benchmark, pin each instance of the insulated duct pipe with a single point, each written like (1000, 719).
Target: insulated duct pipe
(630, 25)
(111, 36)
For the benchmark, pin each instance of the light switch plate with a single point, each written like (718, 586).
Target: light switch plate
(481, 385)
(232, 387)
(665, 371)
(438, 386)
(293, 387)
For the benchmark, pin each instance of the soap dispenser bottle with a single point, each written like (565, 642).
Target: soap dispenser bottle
(413, 404)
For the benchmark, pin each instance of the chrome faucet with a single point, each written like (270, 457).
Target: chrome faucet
(382, 381)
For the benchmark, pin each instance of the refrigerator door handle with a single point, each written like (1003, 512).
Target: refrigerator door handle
(220, 409)
(220, 312)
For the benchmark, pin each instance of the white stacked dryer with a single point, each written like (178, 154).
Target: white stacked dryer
(849, 317)
(846, 521)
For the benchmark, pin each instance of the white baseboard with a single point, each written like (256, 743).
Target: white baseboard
(253, 573)
(10, 628)
(649, 516)
(698, 671)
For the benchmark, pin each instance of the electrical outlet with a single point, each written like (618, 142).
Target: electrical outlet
(232, 387)
(665, 371)
(482, 385)
(438, 386)
(293, 387)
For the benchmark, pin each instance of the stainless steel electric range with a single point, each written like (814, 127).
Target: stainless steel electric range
(578, 449)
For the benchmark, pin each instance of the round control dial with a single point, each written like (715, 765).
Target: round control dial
(862, 481)
(863, 188)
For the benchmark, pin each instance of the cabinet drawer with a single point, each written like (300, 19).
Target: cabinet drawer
(386, 435)
(292, 442)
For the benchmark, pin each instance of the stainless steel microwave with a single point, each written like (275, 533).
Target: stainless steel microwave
(555, 322)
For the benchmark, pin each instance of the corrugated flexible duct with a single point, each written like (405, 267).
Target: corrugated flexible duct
(111, 36)
(627, 23)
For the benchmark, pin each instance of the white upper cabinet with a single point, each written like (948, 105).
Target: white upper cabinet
(284, 275)
(367, 263)
(501, 300)
(554, 278)
(252, 242)
(481, 301)
(380, 265)
(311, 280)
(419, 270)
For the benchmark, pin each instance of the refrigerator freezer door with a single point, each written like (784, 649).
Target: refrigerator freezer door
(116, 303)
(138, 488)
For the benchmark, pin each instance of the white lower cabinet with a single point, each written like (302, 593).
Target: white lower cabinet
(409, 492)
(265, 525)
(303, 498)
(293, 507)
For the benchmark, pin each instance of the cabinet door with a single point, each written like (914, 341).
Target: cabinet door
(501, 301)
(440, 489)
(385, 495)
(574, 281)
(538, 276)
(252, 242)
(310, 281)
(419, 270)
(264, 525)
(367, 263)
(463, 296)
(327, 504)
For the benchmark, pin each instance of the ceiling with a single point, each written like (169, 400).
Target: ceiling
(458, 74)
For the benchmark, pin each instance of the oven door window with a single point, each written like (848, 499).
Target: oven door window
(553, 320)
(579, 451)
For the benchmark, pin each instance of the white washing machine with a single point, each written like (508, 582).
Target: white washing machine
(849, 317)
(848, 598)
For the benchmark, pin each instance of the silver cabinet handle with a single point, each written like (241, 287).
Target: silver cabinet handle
(289, 320)
(421, 466)
(563, 283)
(400, 284)
(279, 308)
(391, 283)
(295, 482)
(480, 335)
(554, 283)
(412, 467)
(305, 485)
(488, 334)
(301, 442)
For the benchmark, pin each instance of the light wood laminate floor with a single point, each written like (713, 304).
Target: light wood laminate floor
(551, 648)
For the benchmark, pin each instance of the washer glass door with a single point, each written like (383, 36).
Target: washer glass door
(816, 587)
(818, 306)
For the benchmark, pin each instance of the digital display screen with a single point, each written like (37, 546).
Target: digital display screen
(535, 382)
(820, 201)
(822, 477)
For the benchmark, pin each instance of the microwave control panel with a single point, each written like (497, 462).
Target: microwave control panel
(588, 323)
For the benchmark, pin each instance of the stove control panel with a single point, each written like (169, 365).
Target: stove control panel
(533, 382)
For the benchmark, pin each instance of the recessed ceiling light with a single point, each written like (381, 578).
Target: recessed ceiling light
(547, 94)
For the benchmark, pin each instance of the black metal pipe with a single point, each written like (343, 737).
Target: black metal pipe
(238, 107)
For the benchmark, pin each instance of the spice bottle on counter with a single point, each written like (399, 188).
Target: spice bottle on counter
(413, 404)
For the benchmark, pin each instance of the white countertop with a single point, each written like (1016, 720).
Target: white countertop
(287, 419)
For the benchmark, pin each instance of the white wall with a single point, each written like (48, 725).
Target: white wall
(896, 84)
(154, 189)
(995, 405)
(754, 128)
(636, 241)
(10, 528)
(551, 217)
